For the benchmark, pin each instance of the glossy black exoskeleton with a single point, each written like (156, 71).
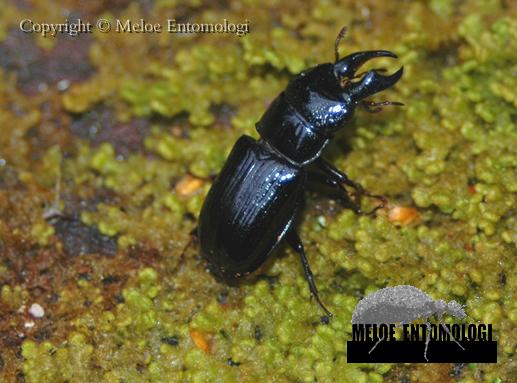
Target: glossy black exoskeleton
(252, 204)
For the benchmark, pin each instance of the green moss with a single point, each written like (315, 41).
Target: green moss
(13, 297)
(42, 232)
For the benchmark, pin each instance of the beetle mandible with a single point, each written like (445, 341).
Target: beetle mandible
(253, 202)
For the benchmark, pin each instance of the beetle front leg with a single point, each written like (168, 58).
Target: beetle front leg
(296, 243)
(339, 176)
(330, 170)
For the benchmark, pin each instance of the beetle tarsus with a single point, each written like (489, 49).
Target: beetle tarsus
(382, 205)
(295, 242)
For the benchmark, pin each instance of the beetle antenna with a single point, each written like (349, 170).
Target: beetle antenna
(339, 37)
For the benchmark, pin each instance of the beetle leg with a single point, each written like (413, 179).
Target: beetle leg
(329, 169)
(295, 242)
(339, 176)
(324, 179)
(193, 237)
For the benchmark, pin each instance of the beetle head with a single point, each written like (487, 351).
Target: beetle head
(370, 83)
(326, 95)
(317, 102)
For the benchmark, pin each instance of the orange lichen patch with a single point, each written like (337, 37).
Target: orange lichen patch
(188, 185)
(402, 215)
(200, 340)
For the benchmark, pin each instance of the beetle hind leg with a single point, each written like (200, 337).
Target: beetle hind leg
(295, 242)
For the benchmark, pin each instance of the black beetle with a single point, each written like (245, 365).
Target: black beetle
(254, 200)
